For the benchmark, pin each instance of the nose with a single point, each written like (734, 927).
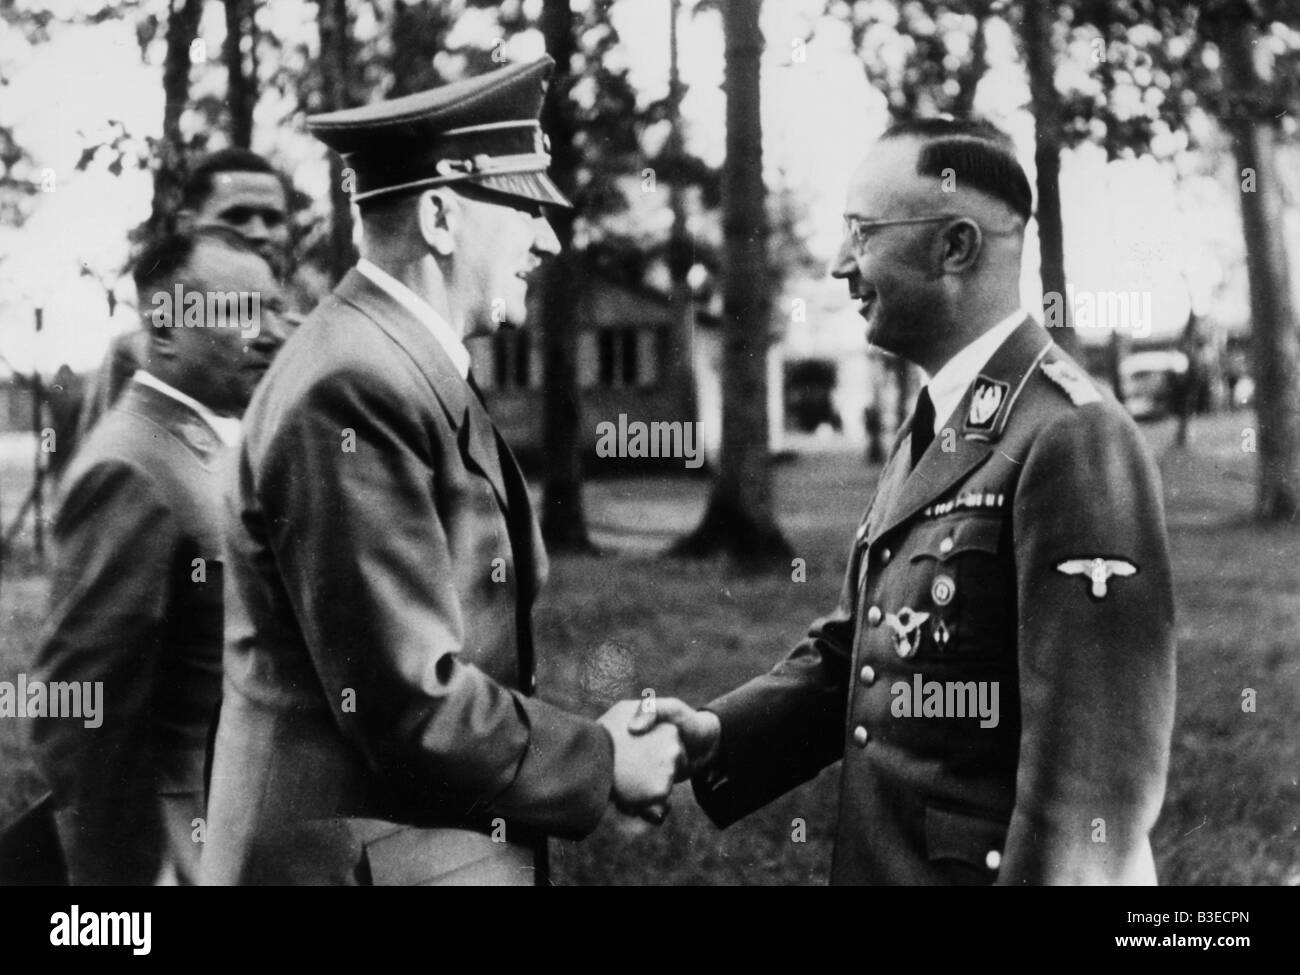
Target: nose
(544, 239)
(844, 265)
(275, 329)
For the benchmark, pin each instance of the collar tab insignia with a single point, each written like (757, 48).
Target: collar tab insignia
(988, 402)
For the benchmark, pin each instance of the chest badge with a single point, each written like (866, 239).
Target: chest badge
(940, 633)
(985, 401)
(906, 630)
(1098, 572)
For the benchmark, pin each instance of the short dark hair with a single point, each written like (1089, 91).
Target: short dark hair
(165, 256)
(982, 156)
(199, 182)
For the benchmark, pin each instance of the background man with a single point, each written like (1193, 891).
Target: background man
(136, 597)
(378, 724)
(231, 188)
(1014, 556)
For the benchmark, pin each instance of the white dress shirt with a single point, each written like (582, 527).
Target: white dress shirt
(422, 310)
(949, 384)
(227, 428)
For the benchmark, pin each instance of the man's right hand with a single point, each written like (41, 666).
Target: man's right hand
(701, 731)
(644, 763)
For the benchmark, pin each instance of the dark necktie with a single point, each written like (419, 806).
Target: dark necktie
(922, 425)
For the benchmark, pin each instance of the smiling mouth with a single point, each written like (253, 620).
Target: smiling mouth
(867, 302)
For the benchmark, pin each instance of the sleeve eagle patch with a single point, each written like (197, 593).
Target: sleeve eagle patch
(1098, 572)
(1072, 382)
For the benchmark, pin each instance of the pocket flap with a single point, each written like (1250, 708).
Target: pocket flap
(958, 836)
(944, 540)
(412, 856)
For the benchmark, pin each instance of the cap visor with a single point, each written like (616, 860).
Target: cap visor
(529, 186)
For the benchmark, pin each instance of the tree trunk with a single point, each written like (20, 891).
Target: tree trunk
(1276, 345)
(182, 28)
(1040, 61)
(740, 519)
(679, 372)
(417, 30)
(335, 66)
(969, 76)
(564, 522)
(241, 79)
(1116, 346)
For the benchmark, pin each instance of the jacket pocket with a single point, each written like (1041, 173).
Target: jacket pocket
(945, 540)
(971, 839)
(410, 856)
(962, 577)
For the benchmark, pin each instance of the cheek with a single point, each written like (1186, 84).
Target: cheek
(230, 351)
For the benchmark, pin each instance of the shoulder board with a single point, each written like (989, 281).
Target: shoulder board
(1072, 381)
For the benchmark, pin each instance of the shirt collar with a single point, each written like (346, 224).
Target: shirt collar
(949, 384)
(422, 310)
(227, 428)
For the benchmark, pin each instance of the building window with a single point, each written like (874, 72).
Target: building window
(515, 358)
(622, 357)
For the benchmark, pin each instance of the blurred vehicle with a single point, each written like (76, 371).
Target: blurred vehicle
(1239, 387)
(1243, 392)
(809, 403)
(1151, 382)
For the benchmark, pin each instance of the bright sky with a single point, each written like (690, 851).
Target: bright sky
(1129, 226)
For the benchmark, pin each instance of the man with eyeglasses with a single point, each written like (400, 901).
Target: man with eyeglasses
(998, 676)
(379, 723)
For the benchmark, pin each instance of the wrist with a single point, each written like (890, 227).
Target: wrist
(711, 731)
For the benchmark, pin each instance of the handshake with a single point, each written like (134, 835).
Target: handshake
(657, 743)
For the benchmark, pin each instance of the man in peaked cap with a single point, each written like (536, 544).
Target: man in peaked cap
(379, 724)
(998, 676)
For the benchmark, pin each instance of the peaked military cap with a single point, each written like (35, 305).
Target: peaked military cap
(482, 130)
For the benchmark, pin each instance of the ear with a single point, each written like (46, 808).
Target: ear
(439, 217)
(961, 243)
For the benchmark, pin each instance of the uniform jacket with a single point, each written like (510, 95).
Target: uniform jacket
(377, 724)
(136, 602)
(973, 571)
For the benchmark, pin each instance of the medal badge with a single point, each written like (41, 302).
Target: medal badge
(906, 630)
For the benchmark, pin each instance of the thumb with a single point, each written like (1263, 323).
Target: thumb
(657, 711)
(643, 718)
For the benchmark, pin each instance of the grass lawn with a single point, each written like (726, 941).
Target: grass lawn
(613, 625)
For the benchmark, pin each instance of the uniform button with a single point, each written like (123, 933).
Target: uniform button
(945, 546)
(867, 675)
(860, 736)
(993, 860)
(885, 556)
(874, 616)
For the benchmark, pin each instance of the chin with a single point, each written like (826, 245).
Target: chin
(514, 318)
(878, 336)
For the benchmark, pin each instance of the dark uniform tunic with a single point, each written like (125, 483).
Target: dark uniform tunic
(1024, 557)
